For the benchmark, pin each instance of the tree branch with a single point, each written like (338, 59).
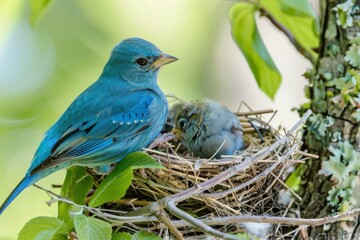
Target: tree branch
(345, 216)
(116, 219)
(170, 205)
(289, 35)
(161, 215)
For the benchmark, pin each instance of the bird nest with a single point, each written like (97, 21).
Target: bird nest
(193, 197)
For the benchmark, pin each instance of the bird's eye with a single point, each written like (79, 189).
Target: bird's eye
(141, 61)
(181, 123)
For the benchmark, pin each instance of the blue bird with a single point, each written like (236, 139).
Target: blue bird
(122, 112)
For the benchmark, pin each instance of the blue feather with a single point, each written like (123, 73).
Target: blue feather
(27, 181)
(122, 112)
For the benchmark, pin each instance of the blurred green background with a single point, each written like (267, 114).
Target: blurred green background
(43, 68)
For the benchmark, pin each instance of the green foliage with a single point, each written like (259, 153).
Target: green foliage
(343, 14)
(44, 228)
(334, 90)
(318, 131)
(353, 55)
(121, 236)
(319, 92)
(143, 235)
(331, 31)
(248, 38)
(348, 86)
(343, 166)
(115, 185)
(320, 125)
(296, 16)
(245, 236)
(37, 9)
(91, 228)
(356, 115)
(294, 180)
(332, 71)
(297, 8)
(355, 40)
(76, 186)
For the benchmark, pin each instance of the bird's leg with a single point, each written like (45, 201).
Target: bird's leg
(161, 139)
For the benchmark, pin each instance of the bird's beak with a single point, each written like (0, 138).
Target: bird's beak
(162, 60)
(177, 133)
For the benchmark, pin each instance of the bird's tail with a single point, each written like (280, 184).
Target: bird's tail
(25, 182)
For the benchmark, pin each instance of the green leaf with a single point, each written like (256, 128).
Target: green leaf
(37, 10)
(88, 228)
(121, 236)
(343, 14)
(353, 56)
(297, 8)
(118, 181)
(247, 37)
(302, 22)
(246, 236)
(76, 186)
(143, 235)
(44, 228)
(294, 180)
(355, 40)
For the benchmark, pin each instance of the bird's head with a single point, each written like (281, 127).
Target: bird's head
(137, 61)
(187, 123)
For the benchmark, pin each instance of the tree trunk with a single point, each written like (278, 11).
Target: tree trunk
(332, 91)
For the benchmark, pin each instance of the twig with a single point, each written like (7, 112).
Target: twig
(289, 35)
(170, 205)
(132, 202)
(261, 175)
(164, 218)
(256, 112)
(306, 154)
(274, 220)
(213, 220)
(162, 138)
(289, 189)
(286, 212)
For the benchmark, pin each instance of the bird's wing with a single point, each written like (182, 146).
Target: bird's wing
(87, 138)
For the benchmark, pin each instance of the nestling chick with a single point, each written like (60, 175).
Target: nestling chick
(170, 121)
(207, 128)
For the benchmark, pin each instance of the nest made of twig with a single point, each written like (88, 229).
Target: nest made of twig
(252, 191)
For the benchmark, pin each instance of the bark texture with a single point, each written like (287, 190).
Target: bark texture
(332, 91)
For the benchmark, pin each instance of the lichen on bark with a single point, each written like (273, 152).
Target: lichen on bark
(333, 91)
